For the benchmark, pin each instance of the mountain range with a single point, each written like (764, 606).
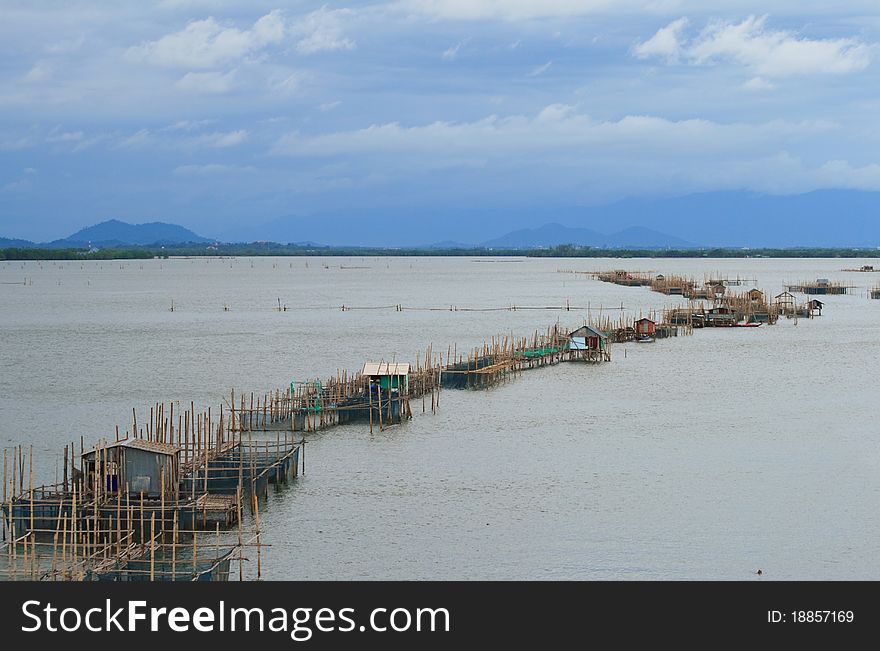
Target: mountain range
(115, 233)
(824, 218)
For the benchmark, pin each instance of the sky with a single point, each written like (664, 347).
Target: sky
(426, 119)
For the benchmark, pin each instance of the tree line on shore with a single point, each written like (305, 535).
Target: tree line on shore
(293, 250)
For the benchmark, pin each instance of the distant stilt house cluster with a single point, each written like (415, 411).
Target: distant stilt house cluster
(821, 286)
(712, 304)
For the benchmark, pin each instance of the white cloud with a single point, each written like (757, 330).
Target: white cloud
(285, 84)
(222, 139)
(555, 113)
(556, 128)
(540, 70)
(216, 139)
(56, 135)
(322, 31)
(40, 71)
(524, 10)
(188, 125)
(451, 53)
(570, 149)
(504, 9)
(770, 53)
(664, 44)
(207, 43)
(758, 84)
(137, 139)
(329, 106)
(840, 174)
(207, 82)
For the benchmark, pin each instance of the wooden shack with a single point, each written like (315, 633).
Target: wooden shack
(645, 327)
(388, 375)
(135, 465)
(721, 316)
(784, 301)
(815, 307)
(587, 338)
(756, 295)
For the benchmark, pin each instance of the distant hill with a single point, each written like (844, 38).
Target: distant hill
(6, 243)
(823, 218)
(117, 233)
(550, 235)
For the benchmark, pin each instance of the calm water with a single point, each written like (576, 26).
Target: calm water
(698, 457)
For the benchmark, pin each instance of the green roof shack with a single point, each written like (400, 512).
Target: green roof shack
(388, 375)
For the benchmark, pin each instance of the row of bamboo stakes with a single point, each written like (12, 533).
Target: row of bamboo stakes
(78, 542)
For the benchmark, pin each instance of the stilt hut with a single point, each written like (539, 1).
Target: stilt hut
(645, 327)
(144, 467)
(721, 316)
(388, 376)
(815, 307)
(784, 302)
(587, 338)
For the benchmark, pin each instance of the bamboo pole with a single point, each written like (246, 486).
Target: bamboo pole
(153, 546)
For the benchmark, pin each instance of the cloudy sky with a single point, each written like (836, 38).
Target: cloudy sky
(234, 117)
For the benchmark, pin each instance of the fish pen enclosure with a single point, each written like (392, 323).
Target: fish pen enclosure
(379, 393)
(623, 277)
(674, 286)
(503, 357)
(97, 552)
(139, 509)
(819, 287)
(249, 465)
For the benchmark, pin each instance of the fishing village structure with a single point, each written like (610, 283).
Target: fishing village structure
(821, 286)
(712, 304)
(176, 496)
(163, 503)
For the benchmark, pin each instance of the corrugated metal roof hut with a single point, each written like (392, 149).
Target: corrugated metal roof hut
(142, 466)
(645, 326)
(388, 375)
(587, 338)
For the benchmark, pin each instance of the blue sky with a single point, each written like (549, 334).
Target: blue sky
(234, 117)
